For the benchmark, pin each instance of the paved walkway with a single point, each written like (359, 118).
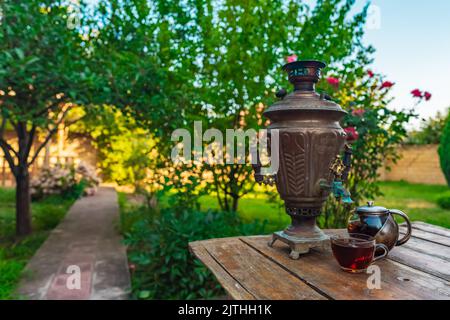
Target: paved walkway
(83, 258)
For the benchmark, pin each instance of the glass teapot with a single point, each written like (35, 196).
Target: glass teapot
(379, 223)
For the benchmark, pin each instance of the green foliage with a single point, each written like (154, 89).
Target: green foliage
(162, 267)
(430, 131)
(76, 191)
(126, 152)
(44, 71)
(444, 201)
(9, 271)
(14, 254)
(444, 150)
(168, 63)
(140, 63)
(230, 50)
(42, 59)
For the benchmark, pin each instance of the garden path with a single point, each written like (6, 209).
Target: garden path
(83, 258)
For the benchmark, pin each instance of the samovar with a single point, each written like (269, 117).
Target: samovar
(310, 142)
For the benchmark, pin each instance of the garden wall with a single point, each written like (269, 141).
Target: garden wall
(418, 164)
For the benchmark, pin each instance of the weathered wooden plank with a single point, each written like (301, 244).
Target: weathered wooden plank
(427, 247)
(431, 228)
(321, 271)
(263, 278)
(430, 264)
(234, 289)
(428, 236)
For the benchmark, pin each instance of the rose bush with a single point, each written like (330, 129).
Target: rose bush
(374, 130)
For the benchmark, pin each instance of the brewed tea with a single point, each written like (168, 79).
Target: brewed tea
(355, 252)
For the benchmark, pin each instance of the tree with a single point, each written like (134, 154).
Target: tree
(141, 62)
(126, 151)
(174, 62)
(243, 45)
(444, 150)
(43, 73)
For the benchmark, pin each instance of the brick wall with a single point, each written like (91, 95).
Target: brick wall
(418, 164)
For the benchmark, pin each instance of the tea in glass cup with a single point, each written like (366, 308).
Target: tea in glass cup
(356, 252)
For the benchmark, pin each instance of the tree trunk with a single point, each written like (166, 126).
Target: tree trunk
(235, 203)
(23, 200)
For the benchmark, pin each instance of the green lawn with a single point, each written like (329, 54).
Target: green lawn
(417, 200)
(14, 254)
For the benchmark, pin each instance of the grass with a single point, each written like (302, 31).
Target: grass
(418, 201)
(15, 253)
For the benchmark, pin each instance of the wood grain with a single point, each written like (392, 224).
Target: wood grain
(231, 285)
(431, 248)
(248, 268)
(431, 228)
(320, 270)
(426, 235)
(262, 278)
(422, 261)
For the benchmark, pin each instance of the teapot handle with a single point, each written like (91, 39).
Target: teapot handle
(408, 224)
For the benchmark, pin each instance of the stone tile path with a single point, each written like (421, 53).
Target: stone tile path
(83, 258)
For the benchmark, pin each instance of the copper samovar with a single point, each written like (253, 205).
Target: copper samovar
(310, 167)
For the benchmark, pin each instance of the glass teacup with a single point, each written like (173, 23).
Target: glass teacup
(356, 252)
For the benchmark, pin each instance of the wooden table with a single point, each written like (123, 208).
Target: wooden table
(249, 269)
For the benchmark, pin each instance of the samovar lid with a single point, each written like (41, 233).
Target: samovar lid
(304, 75)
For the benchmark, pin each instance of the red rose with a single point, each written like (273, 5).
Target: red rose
(291, 58)
(370, 73)
(416, 93)
(427, 95)
(333, 81)
(352, 134)
(386, 84)
(358, 112)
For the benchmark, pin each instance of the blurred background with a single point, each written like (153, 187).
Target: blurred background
(91, 92)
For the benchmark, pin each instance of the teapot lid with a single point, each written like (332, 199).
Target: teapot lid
(370, 208)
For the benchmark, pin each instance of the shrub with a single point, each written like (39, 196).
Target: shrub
(68, 181)
(430, 131)
(444, 150)
(444, 201)
(87, 179)
(160, 262)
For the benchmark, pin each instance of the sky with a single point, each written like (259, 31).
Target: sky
(412, 42)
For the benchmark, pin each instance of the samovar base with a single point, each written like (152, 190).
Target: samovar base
(298, 245)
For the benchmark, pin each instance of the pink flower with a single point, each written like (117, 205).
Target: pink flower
(386, 84)
(352, 134)
(358, 112)
(427, 95)
(416, 93)
(291, 58)
(333, 81)
(370, 73)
